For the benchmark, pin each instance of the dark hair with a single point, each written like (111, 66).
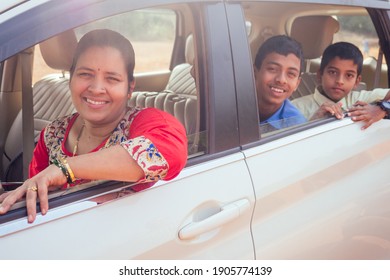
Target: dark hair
(281, 44)
(343, 50)
(106, 38)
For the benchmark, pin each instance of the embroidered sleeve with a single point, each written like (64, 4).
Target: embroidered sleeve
(145, 153)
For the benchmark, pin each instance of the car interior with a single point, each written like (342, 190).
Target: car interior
(315, 26)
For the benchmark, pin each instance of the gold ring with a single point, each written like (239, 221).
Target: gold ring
(33, 188)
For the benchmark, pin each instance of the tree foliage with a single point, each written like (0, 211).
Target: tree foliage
(357, 24)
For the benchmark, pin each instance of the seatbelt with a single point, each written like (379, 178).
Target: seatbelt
(27, 110)
(378, 69)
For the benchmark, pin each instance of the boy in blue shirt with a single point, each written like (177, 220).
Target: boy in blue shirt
(277, 70)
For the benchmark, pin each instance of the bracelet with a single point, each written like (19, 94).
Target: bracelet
(66, 170)
(70, 172)
(63, 169)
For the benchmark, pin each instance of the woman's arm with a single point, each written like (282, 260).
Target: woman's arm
(104, 164)
(163, 158)
(113, 163)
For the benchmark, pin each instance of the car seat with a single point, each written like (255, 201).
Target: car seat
(179, 97)
(51, 99)
(314, 33)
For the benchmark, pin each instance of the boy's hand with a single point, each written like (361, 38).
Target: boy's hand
(329, 108)
(367, 113)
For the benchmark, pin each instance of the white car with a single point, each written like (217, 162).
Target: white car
(320, 190)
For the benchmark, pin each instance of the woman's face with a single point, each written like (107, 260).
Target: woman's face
(99, 85)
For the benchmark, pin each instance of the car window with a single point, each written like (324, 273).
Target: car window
(194, 60)
(152, 32)
(359, 30)
(349, 24)
(165, 79)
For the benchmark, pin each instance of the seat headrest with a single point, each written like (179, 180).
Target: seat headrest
(189, 51)
(58, 51)
(314, 33)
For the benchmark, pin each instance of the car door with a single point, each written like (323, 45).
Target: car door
(204, 213)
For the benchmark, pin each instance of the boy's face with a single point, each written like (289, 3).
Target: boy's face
(340, 77)
(277, 78)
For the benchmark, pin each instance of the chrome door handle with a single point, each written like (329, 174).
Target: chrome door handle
(228, 213)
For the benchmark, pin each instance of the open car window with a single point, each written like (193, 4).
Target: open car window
(349, 24)
(165, 47)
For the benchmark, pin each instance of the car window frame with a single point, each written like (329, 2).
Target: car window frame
(219, 144)
(374, 9)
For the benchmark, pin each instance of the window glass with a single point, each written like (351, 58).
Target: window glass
(359, 30)
(313, 26)
(151, 31)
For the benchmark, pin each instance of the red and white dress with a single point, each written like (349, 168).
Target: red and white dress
(154, 139)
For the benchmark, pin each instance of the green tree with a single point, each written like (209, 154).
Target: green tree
(357, 24)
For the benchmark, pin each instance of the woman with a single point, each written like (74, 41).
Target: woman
(104, 140)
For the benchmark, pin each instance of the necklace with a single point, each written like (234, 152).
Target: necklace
(76, 146)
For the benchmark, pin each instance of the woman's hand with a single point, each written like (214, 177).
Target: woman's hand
(367, 113)
(33, 188)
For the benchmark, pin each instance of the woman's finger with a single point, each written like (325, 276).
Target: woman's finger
(3, 196)
(43, 199)
(31, 202)
(11, 198)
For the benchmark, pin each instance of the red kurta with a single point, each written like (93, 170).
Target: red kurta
(155, 139)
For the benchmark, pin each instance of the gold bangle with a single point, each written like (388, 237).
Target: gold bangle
(70, 172)
(63, 169)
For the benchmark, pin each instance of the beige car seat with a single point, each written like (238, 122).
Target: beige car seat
(179, 97)
(314, 33)
(51, 99)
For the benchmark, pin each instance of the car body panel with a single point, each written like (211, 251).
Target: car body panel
(147, 224)
(308, 202)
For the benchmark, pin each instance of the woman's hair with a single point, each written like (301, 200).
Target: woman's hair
(280, 44)
(106, 38)
(345, 51)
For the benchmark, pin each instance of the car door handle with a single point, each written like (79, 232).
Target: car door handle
(228, 213)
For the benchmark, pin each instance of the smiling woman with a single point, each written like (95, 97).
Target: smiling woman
(103, 134)
(277, 190)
